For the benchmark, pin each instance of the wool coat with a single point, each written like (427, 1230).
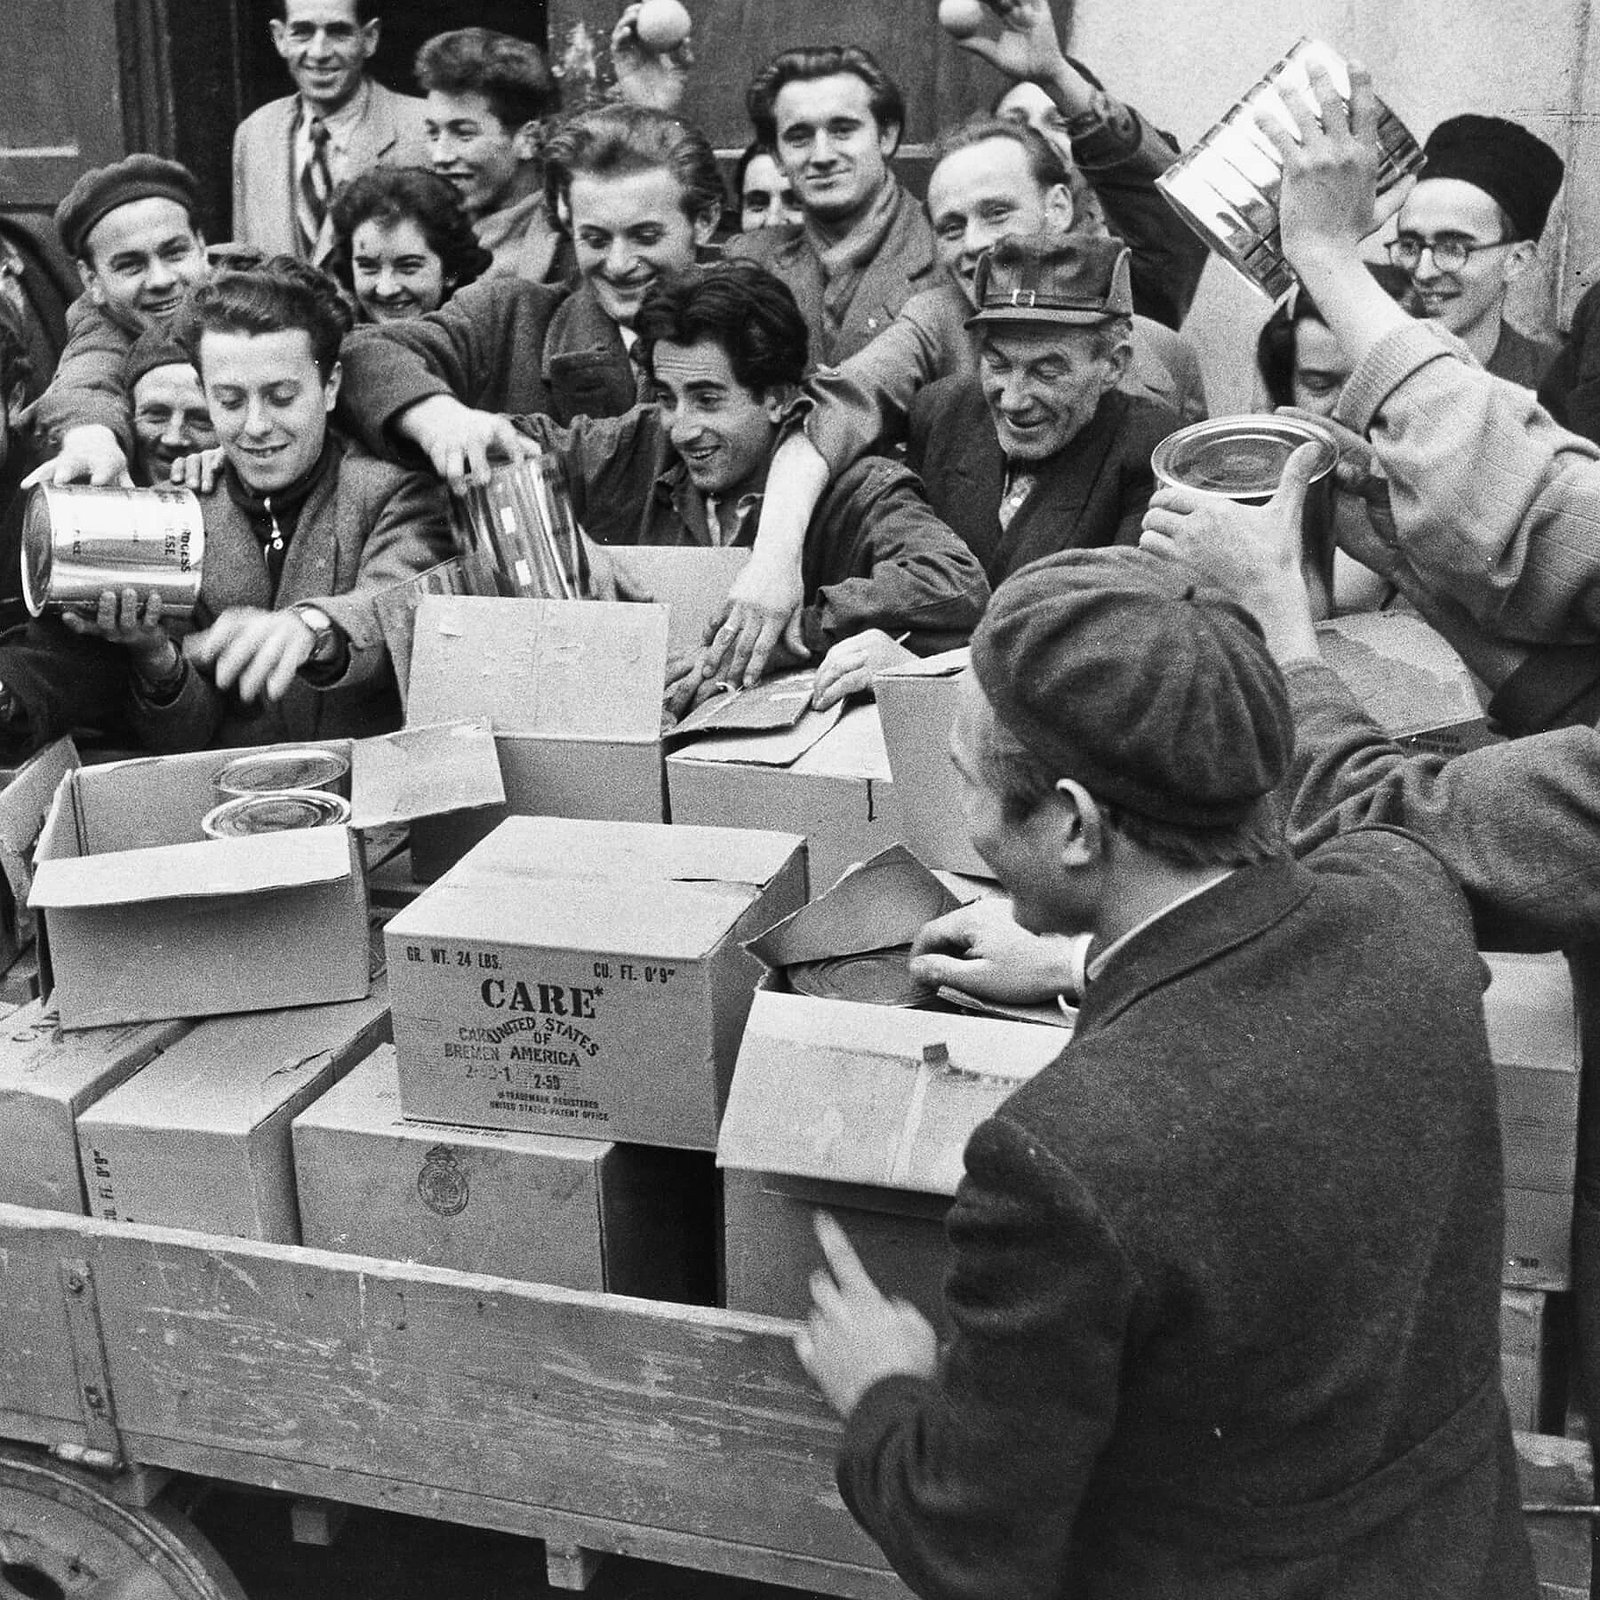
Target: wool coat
(1093, 492)
(1224, 1278)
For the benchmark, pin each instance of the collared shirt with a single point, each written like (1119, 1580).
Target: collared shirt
(341, 124)
(1098, 965)
(744, 510)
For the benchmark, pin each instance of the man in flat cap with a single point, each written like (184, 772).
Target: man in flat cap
(132, 228)
(1470, 228)
(1223, 1278)
(1040, 450)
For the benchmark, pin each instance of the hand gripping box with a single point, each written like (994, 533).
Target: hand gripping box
(586, 978)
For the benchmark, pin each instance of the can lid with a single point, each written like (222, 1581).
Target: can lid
(253, 814)
(38, 551)
(873, 977)
(266, 771)
(1241, 457)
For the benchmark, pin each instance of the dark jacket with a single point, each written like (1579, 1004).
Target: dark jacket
(1092, 493)
(1519, 359)
(365, 526)
(1224, 1278)
(875, 556)
(1570, 387)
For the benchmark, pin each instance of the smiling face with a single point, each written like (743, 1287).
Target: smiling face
(139, 259)
(978, 195)
(767, 198)
(723, 431)
(269, 403)
(831, 146)
(396, 273)
(1043, 383)
(1471, 297)
(326, 49)
(475, 150)
(170, 419)
(627, 230)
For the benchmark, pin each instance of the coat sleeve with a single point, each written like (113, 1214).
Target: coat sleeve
(1512, 540)
(971, 1482)
(1515, 823)
(882, 559)
(1138, 480)
(87, 387)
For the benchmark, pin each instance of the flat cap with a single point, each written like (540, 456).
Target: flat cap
(101, 190)
(1053, 277)
(155, 347)
(1516, 168)
(1122, 670)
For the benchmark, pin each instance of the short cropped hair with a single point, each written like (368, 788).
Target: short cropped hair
(742, 307)
(283, 293)
(389, 195)
(511, 74)
(616, 140)
(813, 61)
(1044, 162)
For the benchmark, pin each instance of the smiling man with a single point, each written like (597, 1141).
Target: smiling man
(292, 154)
(170, 416)
(1040, 451)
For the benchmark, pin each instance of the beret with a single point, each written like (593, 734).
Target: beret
(1513, 166)
(155, 347)
(102, 189)
(1121, 670)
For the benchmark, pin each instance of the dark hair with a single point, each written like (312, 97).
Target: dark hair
(16, 366)
(284, 293)
(1044, 163)
(387, 195)
(747, 155)
(511, 74)
(613, 140)
(741, 306)
(365, 11)
(1275, 343)
(1023, 783)
(813, 61)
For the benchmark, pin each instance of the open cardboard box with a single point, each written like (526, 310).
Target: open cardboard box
(691, 582)
(144, 918)
(572, 691)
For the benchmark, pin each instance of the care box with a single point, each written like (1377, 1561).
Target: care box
(200, 1138)
(1538, 1240)
(572, 690)
(581, 1213)
(691, 581)
(834, 791)
(588, 978)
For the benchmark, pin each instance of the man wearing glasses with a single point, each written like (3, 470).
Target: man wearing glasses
(1470, 228)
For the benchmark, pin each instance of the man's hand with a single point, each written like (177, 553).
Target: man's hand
(462, 443)
(980, 949)
(856, 1334)
(1255, 553)
(125, 617)
(760, 626)
(686, 677)
(89, 454)
(259, 650)
(1028, 45)
(851, 665)
(656, 80)
(199, 471)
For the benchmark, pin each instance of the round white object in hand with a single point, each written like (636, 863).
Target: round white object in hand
(662, 25)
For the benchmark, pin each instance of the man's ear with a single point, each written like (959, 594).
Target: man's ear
(528, 140)
(1082, 824)
(1117, 362)
(1520, 258)
(280, 36)
(330, 386)
(705, 225)
(889, 139)
(1059, 210)
(371, 33)
(773, 401)
(91, 281)
(16, 400)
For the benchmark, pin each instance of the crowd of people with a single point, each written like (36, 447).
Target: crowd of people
(1222, 1293)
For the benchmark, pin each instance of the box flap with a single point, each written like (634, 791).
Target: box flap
(396, 610)
(210, 870)
(947, 664)
(24, 804)
(569, 669)
(1531, 1014)
(423, 772)
(691, 582)
(854, 749)
(881, 903)
(779, 747)
(765, 707)
(1405, 675)
(870, 1094)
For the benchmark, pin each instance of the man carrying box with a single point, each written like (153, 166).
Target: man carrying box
(1223, 1277)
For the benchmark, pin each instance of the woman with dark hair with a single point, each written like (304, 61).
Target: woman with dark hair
(403, 243)
(302, 530)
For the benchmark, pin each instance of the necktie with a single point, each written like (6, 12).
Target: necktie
(1019, 486)
(316, 185)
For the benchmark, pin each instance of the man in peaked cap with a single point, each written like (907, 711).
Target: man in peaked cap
(1040, 450)
(1470, 228)
(1222, 1279)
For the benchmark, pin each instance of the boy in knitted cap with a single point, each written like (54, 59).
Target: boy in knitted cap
(1223, 1277)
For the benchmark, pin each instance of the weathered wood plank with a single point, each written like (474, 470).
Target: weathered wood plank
(570, 1566)
(37, 1375)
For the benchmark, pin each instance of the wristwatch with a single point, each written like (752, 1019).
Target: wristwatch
(325, 636)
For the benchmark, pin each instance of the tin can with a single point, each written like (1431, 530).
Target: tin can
(285, 809)
(1242, 458)
(522, 526)
(274, 771)
(78, 541)
(1227, 185)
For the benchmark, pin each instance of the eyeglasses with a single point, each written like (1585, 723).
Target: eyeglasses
(1449, 255)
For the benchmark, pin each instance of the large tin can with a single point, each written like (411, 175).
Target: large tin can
(1242, 458)
(273, 771)
(1227, 185)
(520, 524)
(277, 812)
(79, 541)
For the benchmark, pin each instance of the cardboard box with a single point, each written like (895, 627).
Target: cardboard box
(586, 978)
(581, 1213)
(1538, 1240)
(572, 690)
(836, 793)
(691, 582)
(1553, 1475)
(1407, 678)
(47, 1079)
(917, 706)
(25, 797)
(200, 1138)
(1531, 1364)
(145, 919)
(863, 1111)
(1532, 1021)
